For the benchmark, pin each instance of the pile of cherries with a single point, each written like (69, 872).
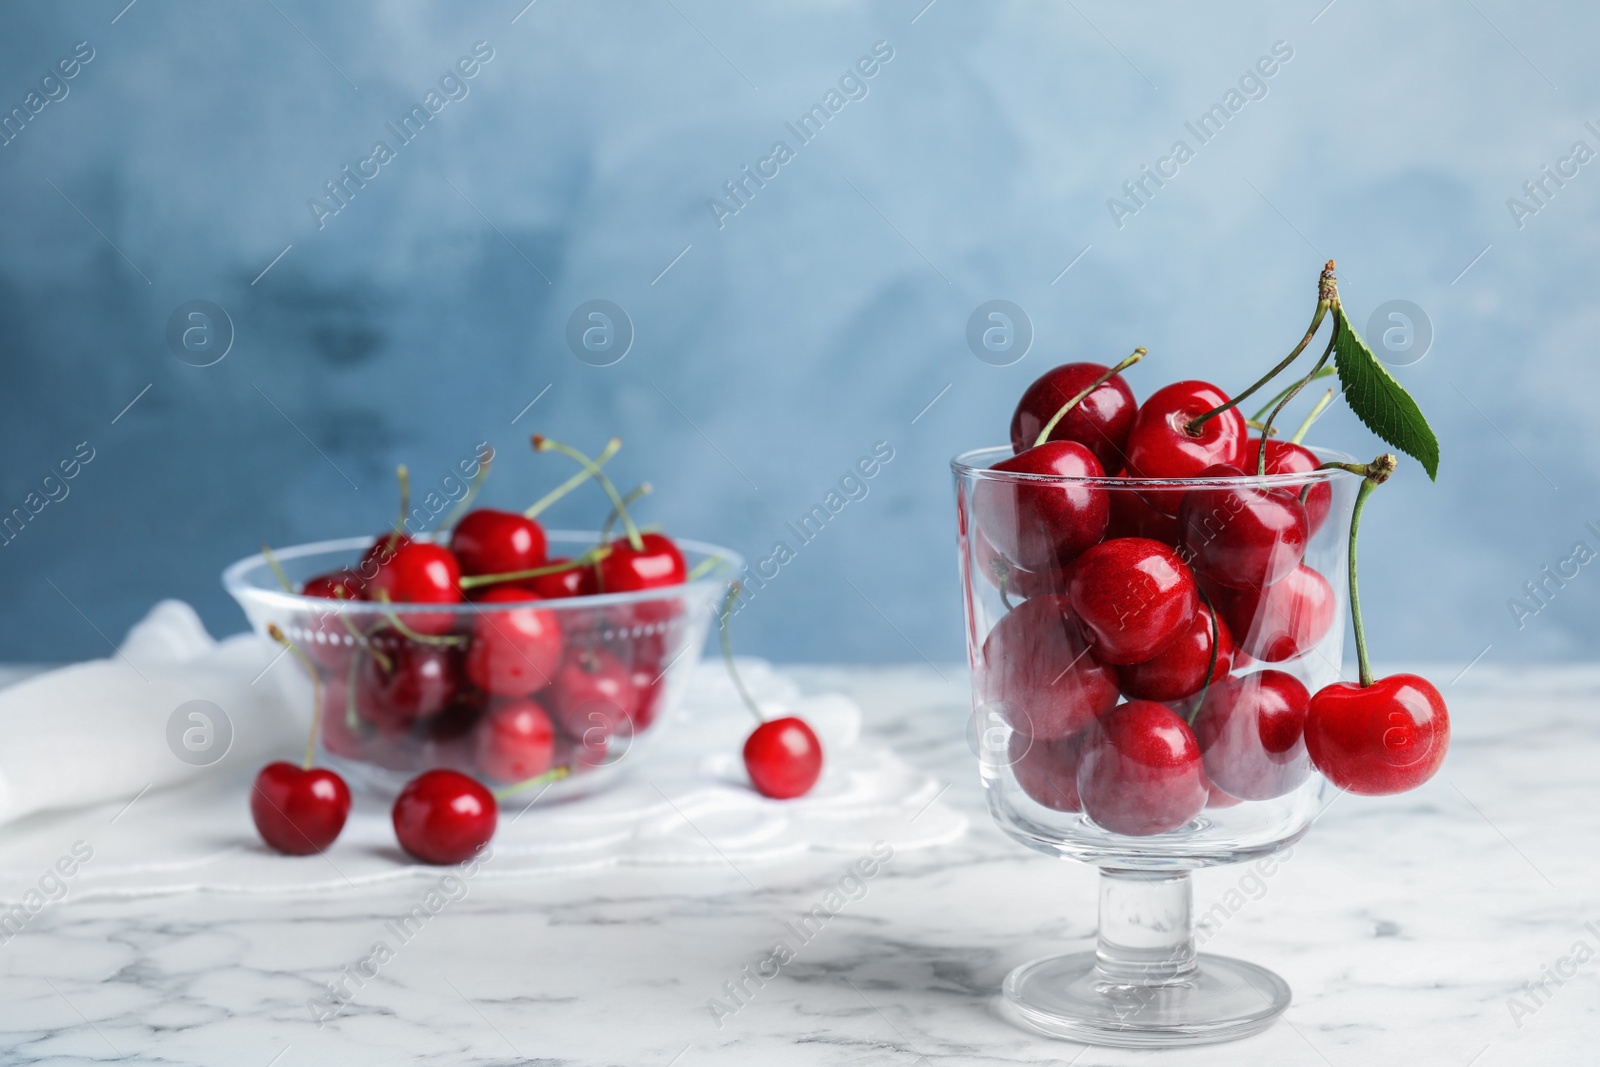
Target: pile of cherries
(512, 694)
(1148, 671)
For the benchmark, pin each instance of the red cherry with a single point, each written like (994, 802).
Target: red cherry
(627, 569)
(1241, 535)
(1131, 516)
(486, 541)
(515, 741)
(1036, 672)
(1048, 770)
(646, 682)
(1042, 524)
(421, 573)
(594, 696)
(420, 681)
(1282, 621)
(1251, 732)
(1019, 582)
(574, 581)
(1159, 445)
(1219, 799)
(1100, 421)
(1178, 669)
(382, 549)
(1386, 738)
(444, 817)
(1133, 596)
(1284, 457)
(514, 651)
(299, 811)
(337, 585)
(783, 758)
(1141, 772)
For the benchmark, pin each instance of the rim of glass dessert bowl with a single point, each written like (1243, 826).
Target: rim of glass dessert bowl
(252, 578)
(977, 464)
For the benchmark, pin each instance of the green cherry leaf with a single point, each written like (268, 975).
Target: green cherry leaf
(1381, 402)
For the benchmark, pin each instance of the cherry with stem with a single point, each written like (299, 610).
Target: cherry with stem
(782, 756)
(1061, 413)
(300, 810)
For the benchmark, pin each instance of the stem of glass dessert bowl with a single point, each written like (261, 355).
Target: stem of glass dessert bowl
(1146, 928)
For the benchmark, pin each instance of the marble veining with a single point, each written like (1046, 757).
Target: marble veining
(1407, 927)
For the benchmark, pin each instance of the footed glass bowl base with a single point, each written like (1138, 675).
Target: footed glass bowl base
(1070, 997)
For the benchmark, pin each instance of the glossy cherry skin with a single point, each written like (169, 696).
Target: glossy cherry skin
(420, 573)
(1243, 536)
(1286, 458)
(1100, 421)
(515, 651)
(783, 758)
(1017, 582)
(594, 696)
(646, 681)
(1141, 772)
(628, 569)
(487, 541)
(299, 811)
(1036, 673)
(515, 741)
(1133, 596)
(421, 680)
(1160, 447)
(574, 581)
(443, 816)
(1387, 738)
(1251, 731)
(382, 549)
(1048, 770)
(1178, 669)
(1043, 525)
(1282, 621)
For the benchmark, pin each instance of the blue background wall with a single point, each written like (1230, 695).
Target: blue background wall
(820, 319)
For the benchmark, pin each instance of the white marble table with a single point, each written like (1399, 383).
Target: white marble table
(1405, 926)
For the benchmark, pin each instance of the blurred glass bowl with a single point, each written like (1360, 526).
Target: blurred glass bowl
(601, 672)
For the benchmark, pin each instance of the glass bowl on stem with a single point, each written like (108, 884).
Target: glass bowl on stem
(1096, 761)
(400, 681)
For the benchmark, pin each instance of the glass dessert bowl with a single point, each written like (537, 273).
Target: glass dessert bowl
(1139, 696)
(503, 691)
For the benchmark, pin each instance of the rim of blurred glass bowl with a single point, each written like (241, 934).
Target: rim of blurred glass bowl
(237, 580)
(972, 465)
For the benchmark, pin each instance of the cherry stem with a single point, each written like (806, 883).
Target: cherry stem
(638, 491)
(485, 458)
(554, 775)
(1211, 667)
(361, 637)
(1327, 297)
(316, 691)
(594, 555)
(704, 567)
(734, 589)
(1254, 421)
(1372, 475)
(403, 476)
(1315, 414)
(277, 570)
(544, 444)
(573, 482)
(1049, 427)
(1256, 424)
(352, 718)
(408, 632)
(1261, 452)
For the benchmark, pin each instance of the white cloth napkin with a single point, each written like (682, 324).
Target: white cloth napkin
(93, 737)
(97, 731)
